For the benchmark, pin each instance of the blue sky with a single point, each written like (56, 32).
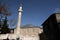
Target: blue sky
(34, 11)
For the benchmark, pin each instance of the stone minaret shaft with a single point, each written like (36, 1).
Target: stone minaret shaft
(19, 20)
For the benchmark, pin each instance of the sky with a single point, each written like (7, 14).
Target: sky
(35, 12)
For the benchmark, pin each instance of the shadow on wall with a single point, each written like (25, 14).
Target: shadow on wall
(42, 36)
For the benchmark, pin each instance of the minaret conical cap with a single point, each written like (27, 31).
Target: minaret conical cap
(20, 8)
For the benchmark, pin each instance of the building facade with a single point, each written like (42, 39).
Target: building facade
(51, 27)
(26, 33)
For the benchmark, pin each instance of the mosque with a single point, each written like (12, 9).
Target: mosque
(22, 33)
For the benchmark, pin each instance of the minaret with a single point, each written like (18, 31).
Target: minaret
(19, 20)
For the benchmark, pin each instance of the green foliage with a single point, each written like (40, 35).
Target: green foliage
(4, 27)
(3, 19)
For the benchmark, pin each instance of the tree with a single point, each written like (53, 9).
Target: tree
(5, 28)
(3, 23)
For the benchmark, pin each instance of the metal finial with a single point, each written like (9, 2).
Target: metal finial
(20, 2)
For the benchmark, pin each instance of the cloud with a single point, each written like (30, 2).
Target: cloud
(56, 10)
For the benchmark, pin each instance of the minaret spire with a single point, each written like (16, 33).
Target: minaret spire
(20, 8)
(19, 20)
(20, 2)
